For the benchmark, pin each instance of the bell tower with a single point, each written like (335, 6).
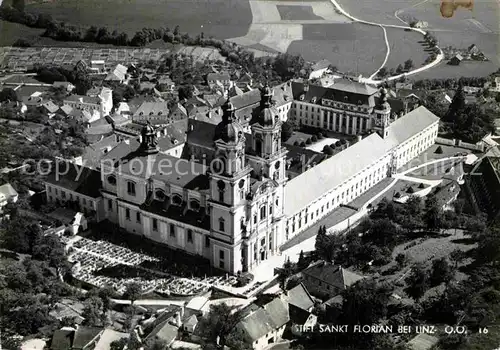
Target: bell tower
(382, 114)
(229, 177)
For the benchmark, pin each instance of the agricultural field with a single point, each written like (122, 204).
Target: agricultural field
(10, 32)
(220, 18)
(351, 47)
(405, 45)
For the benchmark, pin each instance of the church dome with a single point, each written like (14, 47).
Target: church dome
(148, 129)
(383, 104)
(267, 117)
(268, 114)
(228, 130)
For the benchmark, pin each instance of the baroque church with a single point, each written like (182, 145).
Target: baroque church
(230, 197)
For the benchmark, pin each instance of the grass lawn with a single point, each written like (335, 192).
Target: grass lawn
(427, 249)
(220, 18)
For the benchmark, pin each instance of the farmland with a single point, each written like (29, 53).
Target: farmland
(220, 18)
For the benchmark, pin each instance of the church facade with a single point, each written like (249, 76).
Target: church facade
(229, 199)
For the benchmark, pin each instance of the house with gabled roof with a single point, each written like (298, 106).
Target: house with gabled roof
(264, 325)
(326, 279)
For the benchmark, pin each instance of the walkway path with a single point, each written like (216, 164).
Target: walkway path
(370, 80)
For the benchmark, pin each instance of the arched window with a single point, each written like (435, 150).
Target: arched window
(221, 224)
(112, 180)
(258, 146)
(241, 183)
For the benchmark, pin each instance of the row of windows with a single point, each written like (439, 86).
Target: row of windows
(69, 197)
(171, 227)
(345, 197)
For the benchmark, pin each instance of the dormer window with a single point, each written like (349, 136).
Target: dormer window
(160, 195)
(177, 200)
(313, 100)
(194, 205)
(112, 180)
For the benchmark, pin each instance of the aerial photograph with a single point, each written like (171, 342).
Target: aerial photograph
(250, 174)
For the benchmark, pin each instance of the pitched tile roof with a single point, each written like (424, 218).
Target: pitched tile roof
(313, 183)
(84, 336)
(321, 65)
(118, 73)
(300, 297)
(264, 320)
(334, 275)
(76, 178)
(62, 339)
(8, 191)
(152, 109)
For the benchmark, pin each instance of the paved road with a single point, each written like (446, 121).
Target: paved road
(370, 80)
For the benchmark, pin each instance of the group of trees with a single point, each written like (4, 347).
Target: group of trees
(78, 77)
(421, 279)
(384, 72)
(30, 287)
(468, 122)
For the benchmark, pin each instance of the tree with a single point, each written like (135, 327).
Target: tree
(8, 94)
(457, 256)
(323, 245)
(417, 281)
(401, 260)
(432, 216)
(218, 324)
(302, 262)
(93, 312)
(439, 150)
(399, 69)
(133, 291)
(18, 5)
(308, 141)
(50, 249)
(365, 302)
(408, 65)
(413, 206)
(382, 72)
(457, 105)
(441, 272)
(382, 232)
(286, 131)
(285, 272)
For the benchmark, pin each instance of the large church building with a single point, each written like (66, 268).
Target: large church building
(229, 197)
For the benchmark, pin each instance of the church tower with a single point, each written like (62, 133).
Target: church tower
(229, 184)
(382, 114)
(265, 205)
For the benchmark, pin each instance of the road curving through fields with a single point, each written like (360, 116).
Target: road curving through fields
(371, 80)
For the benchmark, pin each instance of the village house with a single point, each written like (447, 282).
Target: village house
(264, 325)
(66, 85)
(319, 68)
(456, 60)
(326, 279)
(117, 74)
(7, 195)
